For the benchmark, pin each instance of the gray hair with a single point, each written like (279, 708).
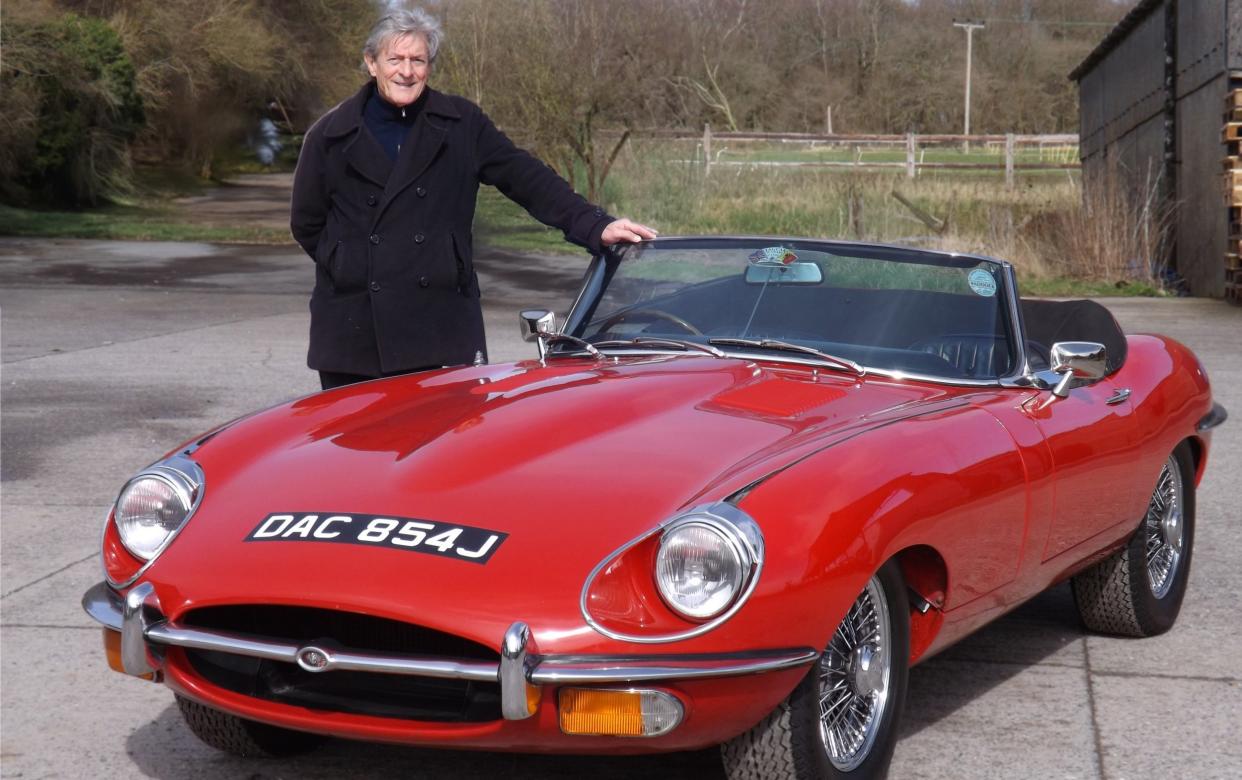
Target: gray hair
(400, 22)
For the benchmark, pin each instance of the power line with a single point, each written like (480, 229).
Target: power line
(1052, 22)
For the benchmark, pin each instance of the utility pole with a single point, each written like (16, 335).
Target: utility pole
(970, 28)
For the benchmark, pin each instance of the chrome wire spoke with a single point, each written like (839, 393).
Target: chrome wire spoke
(1163, 528)
(853, 680)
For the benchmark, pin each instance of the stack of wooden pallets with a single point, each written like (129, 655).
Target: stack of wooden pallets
(1231, 134)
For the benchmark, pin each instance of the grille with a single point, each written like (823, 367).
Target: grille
(359, 693)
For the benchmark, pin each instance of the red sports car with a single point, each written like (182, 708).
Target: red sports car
(745, 486)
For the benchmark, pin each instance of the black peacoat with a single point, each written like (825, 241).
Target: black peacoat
(395, 287)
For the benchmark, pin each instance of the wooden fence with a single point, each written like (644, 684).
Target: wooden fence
(1012, 151)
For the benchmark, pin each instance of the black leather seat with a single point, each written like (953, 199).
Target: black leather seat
(976, 356)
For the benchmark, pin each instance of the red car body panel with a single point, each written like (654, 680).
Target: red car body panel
(988, 495)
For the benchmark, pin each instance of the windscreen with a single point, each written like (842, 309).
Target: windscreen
(886, 308)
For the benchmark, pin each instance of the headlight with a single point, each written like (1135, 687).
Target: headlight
(702, 566)
(155, 504)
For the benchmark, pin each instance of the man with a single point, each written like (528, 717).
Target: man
(383, 201)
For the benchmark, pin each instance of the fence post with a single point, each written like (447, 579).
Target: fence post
(828, 126)
(707, 148)
(1009, 153)
(910, 167)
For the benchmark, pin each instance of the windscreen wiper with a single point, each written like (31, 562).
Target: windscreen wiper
(785, 346)
(651, 341)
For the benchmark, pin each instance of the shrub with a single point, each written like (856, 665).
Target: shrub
(68, 93)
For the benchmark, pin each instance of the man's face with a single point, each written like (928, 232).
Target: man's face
(401, 69)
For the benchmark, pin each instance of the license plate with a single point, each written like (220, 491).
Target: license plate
(462, 542)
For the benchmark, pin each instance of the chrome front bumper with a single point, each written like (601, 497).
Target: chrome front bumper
(145, 630)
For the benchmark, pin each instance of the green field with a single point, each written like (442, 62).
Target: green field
(1037, 224)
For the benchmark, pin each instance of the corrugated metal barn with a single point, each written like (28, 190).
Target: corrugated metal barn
(1158, 97)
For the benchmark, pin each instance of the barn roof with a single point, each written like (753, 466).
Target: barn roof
(1128, 22)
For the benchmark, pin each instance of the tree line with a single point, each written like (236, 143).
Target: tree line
(88, 86)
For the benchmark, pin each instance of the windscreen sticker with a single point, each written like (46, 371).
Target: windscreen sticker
(982, 283)
(462, 542)
(772, 255)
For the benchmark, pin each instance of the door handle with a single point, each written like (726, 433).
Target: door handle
(1120, 395)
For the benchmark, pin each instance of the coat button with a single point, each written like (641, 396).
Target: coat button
(599, 212)
(375, 239)
(372, 200)
(419, 238)
(375, 287)
(421, 192)
(423, 282)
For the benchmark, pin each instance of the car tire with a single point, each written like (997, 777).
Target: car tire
(793, 742)
(242, 737)
(1138, 591)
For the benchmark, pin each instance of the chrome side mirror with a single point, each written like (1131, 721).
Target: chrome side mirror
(1085, 361)
(536, 326)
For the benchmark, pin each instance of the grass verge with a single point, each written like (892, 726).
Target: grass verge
(129, 223)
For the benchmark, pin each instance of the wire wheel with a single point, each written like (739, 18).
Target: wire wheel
(853, 680)
(1164, 529)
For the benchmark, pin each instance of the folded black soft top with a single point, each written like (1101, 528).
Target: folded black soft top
(1048, 322)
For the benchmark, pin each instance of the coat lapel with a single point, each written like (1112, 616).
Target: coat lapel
(363, 153)
(426, 139)
(421, 147)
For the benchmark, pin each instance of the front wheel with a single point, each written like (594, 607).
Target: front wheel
(1138, 591)
(841, 720)
(242, 737)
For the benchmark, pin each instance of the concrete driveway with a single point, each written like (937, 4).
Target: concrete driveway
(114, 352)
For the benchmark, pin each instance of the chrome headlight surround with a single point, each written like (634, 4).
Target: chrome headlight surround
(182, 480)
(683, 585)
(732, 524)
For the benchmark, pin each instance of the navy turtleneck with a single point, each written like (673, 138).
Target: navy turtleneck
(389, 124)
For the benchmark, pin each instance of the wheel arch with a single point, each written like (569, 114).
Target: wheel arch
(926, 575)
(1198, 456)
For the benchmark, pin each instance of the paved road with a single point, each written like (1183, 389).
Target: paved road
(114, 351)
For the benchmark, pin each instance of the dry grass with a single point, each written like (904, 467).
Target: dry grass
(1120, 232)
(1044, 225)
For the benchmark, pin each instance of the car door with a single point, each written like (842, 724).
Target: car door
(1091, 439)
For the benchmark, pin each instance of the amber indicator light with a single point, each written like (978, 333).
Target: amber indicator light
(613, 713)
(618, 713)
(112, 647)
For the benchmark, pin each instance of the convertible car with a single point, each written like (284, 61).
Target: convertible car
(745, 484)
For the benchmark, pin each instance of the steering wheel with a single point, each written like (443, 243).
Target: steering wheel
(652, 315)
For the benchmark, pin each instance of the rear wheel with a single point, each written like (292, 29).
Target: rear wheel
(1139, 590)
(841, 720)
(242, 737)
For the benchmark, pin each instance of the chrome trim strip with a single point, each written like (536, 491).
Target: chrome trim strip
(238, 644)
(732, 521)
(1017, 325)
(168, 634)
(755, 357)
(550, 671)
(1212, 419)
(104, 605)
(513, 672)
